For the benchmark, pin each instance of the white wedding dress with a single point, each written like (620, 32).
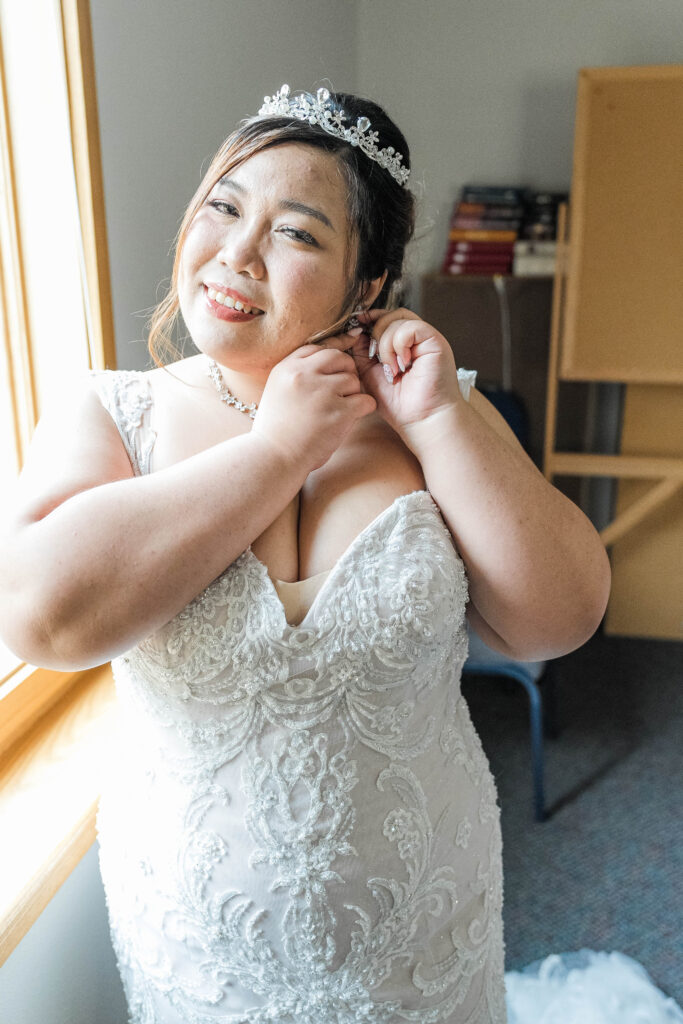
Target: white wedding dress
(300, 824)
(587, 988)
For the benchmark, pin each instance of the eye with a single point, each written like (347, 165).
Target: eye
(223, 207)
(300, 236)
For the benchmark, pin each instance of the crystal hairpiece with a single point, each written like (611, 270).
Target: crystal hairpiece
(319, 110)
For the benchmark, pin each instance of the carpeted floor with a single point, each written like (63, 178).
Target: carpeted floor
(605, 871)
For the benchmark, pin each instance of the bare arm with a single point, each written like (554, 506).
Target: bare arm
(539, 574)
(92, 559)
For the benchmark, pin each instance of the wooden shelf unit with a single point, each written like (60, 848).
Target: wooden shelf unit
(618, 316)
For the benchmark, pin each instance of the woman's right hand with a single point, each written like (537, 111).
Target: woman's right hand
(311, 401)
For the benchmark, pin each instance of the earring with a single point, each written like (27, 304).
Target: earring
(353, 320)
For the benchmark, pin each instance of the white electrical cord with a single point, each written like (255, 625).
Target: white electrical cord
(505, 331)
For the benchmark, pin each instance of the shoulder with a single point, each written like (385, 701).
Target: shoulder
(75, 446)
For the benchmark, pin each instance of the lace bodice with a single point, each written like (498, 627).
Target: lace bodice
(302, 825)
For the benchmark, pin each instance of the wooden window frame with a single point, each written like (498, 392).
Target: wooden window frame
(52, 724)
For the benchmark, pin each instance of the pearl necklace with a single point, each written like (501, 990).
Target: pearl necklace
(226, 395)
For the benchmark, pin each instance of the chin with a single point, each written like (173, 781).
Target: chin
(237, 358)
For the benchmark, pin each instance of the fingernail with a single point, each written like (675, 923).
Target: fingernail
(355, 331)
(401, 364)
(373, 349)
(388, 373)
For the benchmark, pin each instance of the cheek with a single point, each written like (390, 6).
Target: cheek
(201, 241)
(313, 286)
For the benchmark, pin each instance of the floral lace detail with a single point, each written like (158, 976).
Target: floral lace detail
(127, 396)
(304, 828)
(462, 836)
(233, 647)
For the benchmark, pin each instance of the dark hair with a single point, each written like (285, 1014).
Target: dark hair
(381, 212)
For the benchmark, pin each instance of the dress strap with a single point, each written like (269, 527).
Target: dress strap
(127, 397)
(467, 379)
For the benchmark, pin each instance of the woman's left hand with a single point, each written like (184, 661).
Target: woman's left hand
(416, 374)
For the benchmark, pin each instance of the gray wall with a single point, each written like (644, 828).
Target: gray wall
(482, 90)
(173, 79)
(64, 971)
(485, 91)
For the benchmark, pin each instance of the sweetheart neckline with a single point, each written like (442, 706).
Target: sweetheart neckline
(297, 583)
(346, 554)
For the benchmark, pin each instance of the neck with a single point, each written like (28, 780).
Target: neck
(247, 385)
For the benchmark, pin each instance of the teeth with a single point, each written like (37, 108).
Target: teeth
(227, 300)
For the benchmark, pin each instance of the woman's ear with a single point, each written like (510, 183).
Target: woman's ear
(372, 290)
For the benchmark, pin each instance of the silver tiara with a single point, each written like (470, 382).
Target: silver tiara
(320, 110)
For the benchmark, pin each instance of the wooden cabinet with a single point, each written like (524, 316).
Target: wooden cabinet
(610, 324)
(469, 313)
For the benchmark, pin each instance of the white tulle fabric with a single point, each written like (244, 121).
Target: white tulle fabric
(302, 825)
(587, 988)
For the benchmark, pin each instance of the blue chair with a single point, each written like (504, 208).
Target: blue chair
(486, 662)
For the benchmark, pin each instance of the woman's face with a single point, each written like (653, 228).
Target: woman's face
(272, 235)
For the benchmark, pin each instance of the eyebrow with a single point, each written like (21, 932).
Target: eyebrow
(285, 204)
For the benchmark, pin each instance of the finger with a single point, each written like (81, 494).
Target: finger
(381, 318)
(347, 384)
(341, 342)
(401, 340)
(329, 358)
(397, 357)
(405, 337)
(395, 346)
(362, 403)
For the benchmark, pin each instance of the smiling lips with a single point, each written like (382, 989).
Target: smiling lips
(227, 306)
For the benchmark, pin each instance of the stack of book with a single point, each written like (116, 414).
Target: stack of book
(536, 249)
(540, 215)
(485, 225)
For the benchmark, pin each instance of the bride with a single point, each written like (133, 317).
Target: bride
(276, 543)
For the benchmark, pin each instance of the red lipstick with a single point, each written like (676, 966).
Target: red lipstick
(225, 312)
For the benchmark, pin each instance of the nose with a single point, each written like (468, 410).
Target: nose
(241, 249)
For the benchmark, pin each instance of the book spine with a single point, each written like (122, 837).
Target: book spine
(485, 223)
(488, 210)
(480, 235)
(482, 247)
(502, 194)
(534, 266)
(472, 259)
(525, 247)
(457, 269)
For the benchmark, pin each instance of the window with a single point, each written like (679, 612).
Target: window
(55, 306)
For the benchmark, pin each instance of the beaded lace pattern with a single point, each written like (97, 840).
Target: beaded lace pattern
(303, 826)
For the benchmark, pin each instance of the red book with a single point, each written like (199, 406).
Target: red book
(480, 257)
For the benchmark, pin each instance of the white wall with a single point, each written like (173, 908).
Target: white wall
(64, 971)
(173, 79)
(485, 91)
